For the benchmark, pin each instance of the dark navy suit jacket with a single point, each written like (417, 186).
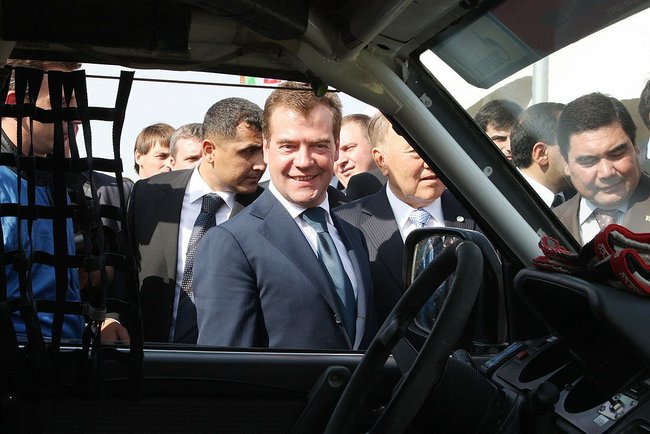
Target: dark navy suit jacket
(258, 283)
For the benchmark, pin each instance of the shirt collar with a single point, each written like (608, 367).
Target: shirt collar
(402, 211)
(197, 188)
(542, 191)
(587, 209)
(294, 209)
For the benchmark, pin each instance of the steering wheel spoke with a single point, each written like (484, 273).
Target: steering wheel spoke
(428, 366)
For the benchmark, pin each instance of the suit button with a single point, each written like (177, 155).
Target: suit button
(337, 319)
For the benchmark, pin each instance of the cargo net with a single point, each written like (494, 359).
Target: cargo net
(56, 197)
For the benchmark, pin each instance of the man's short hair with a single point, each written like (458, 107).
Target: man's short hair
(43, 65)
(500, 113)
(149, 136)
(187, 131)
(644, 105)
(589, 113)
(358, 119)
(538, 123)
(378, 127)
(300, 98)
(222, 119)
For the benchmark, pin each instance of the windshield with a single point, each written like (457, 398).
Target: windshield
(506, 80)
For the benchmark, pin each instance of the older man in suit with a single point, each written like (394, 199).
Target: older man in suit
(387, 217)
(170, 212)
(597, 138)
(285, 273)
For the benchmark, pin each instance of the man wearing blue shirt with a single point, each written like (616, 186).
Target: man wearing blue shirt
(17, 235)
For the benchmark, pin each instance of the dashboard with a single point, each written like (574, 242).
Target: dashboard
(590, 374)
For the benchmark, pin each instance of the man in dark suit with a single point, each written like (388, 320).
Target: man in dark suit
(597, 138)
(384, 217)
(364, 184)
(285, 273)
(165, 210)
(536, 154)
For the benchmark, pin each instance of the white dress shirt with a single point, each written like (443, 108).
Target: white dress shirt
(312, 236)
(542, 191)
(587, 220)
(192, 201)
(402, 211)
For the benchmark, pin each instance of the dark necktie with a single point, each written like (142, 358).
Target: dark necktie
(606, 217)
(331, 262)
(185, 328)
(557, 200)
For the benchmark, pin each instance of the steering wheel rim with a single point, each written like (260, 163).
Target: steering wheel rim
(431, 360)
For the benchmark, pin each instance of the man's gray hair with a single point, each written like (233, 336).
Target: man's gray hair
(187, 131)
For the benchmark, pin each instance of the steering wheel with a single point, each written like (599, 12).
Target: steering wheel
(466, 260)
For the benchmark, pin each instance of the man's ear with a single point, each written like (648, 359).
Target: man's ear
(208, 150)
(380, 160)
(540, 154)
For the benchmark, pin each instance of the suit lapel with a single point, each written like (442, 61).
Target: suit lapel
(170, 205)
(284, 234)
(364, 281)
(637, 218)
(568, 215)
(383, 235)
(454, 214)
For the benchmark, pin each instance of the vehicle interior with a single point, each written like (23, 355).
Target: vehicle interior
(514, 349)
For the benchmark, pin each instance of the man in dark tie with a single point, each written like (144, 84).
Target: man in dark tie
(286, 273)
(597, 138)
(413, 198)
(170, 212)
(536, 154)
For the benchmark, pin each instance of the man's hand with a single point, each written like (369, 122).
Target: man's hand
(113, 331)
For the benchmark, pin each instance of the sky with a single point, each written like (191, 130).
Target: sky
(172, 103)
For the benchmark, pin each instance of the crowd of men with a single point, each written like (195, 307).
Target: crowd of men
(226, 260)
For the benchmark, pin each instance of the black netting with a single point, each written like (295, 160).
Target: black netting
(88, 234)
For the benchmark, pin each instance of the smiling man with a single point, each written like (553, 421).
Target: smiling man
(285, 273)
(170, 212)
(385, 217)
(597, 139)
